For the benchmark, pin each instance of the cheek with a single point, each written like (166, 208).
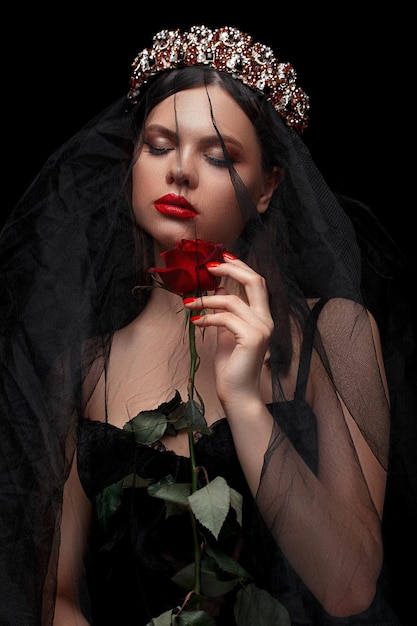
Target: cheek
(142, 190)
(140, 176)
(223, 217)
(252, 179)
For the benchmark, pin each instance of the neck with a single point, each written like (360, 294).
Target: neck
(165, 300)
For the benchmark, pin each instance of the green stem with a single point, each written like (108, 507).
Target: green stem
(194, 470)
(194, 357)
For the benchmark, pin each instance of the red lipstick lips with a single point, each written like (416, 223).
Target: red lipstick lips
(175, 206)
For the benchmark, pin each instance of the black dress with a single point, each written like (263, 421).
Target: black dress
(133, 557)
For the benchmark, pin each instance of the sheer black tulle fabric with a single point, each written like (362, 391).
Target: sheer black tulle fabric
(135, 556)
(69, 261)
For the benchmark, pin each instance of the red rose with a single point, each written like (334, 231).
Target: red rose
(185, 271)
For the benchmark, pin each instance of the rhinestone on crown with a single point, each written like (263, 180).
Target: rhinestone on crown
(228, 50)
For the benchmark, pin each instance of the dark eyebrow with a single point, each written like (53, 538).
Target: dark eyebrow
(161, 129)
(208, 140)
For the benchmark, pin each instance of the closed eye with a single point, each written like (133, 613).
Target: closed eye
(156, 150)
(215, 161)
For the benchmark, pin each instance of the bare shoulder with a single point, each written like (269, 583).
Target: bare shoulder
(338, 306)
(347, 327)
(343, 312)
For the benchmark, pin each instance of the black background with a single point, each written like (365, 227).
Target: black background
(63, 65)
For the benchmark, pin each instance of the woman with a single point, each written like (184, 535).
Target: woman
(290, 374)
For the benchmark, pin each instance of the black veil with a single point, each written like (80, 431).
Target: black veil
(69, 262)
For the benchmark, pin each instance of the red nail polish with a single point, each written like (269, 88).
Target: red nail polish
(228, 255)
(188, 300)
(195, 318)
(213, 264)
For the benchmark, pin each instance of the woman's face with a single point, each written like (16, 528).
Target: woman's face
(181, 184)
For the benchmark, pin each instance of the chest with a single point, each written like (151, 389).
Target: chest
(146, 370)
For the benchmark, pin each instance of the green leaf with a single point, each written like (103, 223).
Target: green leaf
(256, 606)
(169, 407)
(194, 618)
(211, 584)
(108, 501)
(226, 563)
(211, 504)
(165, 619)
(194, 416)
(175, 495)
(168, 480)
(180, 423)
(148, 427)
(134, 481)
(183, 618)
(236, 502)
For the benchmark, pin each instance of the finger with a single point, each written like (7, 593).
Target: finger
(252, 337)
(232, 312)
(219, 301)
(232, 304)
(253, 283)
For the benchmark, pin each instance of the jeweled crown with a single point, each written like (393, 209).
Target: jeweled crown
(228, 50)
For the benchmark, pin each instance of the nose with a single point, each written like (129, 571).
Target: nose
(177, 175)
(182, 171)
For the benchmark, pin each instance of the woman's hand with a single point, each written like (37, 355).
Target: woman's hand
(244, 326)
(244, 330)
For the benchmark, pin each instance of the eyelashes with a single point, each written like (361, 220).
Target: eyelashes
(162, 150)
(155, 150)
(216, 162)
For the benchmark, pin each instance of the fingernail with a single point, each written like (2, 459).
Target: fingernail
(213, 264)
(228, 255)
(188, 300)
(195, 318)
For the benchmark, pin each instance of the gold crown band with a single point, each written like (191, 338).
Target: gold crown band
(228, 50)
